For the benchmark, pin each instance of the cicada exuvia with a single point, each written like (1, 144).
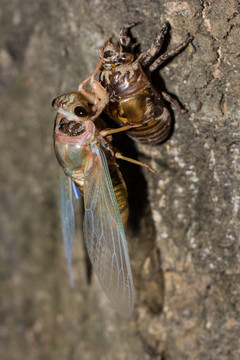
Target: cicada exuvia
(133, 98)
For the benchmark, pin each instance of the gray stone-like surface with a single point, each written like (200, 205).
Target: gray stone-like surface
(183, 232)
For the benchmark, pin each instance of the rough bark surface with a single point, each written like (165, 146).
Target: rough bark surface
(183, 233)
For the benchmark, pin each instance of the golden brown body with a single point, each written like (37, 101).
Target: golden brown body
(132, 97)
(137, 103)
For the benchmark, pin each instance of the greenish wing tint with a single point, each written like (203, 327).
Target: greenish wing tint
(104, 234)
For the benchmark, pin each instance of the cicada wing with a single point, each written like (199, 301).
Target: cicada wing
(69, 195)
(104, 234)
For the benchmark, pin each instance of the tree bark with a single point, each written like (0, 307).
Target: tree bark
(183, 231)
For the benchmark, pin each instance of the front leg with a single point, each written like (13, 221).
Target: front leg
(90, 96)
(98, 67)
(124, 39)
(98, 97)
(147, 57)
(101, 98)
(162, 58)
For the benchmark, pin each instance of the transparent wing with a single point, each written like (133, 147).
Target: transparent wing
(104, 234)
(69, 195)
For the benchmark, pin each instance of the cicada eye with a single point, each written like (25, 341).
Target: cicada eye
(53, 102)
(108, 54)
(80, 111)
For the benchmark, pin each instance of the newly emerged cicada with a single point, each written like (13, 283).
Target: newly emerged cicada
(133, 98)
(88, 160)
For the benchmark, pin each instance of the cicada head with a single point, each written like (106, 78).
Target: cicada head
(73, 114)
(74, 105)
(74, 130)
(113, 56)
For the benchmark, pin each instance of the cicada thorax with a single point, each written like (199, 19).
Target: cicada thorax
(133, 100)
(73, 136)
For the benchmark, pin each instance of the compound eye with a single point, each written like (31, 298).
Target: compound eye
(108, 54)
(80, 111)
(53, 102)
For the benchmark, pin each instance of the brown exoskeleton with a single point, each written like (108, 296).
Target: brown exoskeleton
(133, 99)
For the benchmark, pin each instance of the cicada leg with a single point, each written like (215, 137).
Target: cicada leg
(98, 67)
(175, 103)
(147, 57)
(99, 96)
(162, 58)
(115, 131)
(118, 155)
(124, 39)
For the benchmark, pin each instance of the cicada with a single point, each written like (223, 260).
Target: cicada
(133, 98)
(88, 160)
